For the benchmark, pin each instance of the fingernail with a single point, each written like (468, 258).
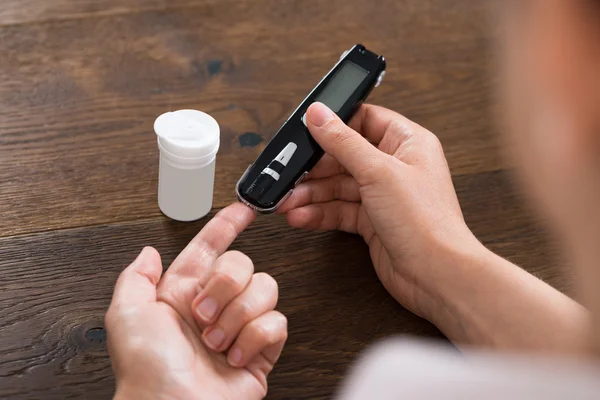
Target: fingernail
(235, 356)
(207, 308)
(215, 338)
(319, 114)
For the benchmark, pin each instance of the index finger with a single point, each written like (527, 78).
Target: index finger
(212, 241)
(372, 121)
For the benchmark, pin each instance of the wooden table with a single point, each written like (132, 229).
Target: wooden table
(81, 82)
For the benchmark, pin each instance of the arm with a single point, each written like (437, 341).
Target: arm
(487, 301)
(390, 184)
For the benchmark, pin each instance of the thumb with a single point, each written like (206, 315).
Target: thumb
(353, 151)
(137, 283)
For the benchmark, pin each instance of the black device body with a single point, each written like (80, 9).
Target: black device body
(343, 89)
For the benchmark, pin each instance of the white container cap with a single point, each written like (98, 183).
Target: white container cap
(187, 137)
(188, 141)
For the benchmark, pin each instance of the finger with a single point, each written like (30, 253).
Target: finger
(327, 166)
(213, 240)
(354, 152)
(266, 334)
(373, 121)
(338, 187)
(259, 297)
(334, 215)
(137, 283)
(232, 273)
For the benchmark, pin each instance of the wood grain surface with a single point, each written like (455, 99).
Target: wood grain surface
(78, 96)
(81, 82)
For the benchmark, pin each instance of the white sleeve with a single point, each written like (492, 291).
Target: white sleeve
(412, 369)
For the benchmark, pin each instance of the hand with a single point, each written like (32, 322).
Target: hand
(392, 187)
(206, 330)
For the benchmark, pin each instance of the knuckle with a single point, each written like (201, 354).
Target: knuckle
(284, 333)
(282, 319)
(282, 322)
(274, 331)
(432, 141)
(238, 258)
(432, 149)
(261, 331)
(439, 148)
(405, 129)
(245, 312)
(267, 283)
(400, 127)
(421, 135)
(225, 279)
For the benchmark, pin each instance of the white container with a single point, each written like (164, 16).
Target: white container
(188, 141)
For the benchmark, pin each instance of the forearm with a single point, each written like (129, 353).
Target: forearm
(487, 301)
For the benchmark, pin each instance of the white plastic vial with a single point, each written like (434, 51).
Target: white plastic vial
(188, 141)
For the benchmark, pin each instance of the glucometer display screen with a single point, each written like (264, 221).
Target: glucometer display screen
(342, 85)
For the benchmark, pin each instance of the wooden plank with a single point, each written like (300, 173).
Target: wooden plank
(78, 97)
(55, 287)
(28, 11)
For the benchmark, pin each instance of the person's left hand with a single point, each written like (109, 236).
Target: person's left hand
(206, 330)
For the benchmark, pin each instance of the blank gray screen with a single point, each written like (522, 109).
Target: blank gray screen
(342, 85)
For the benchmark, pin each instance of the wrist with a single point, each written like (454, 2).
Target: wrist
(457, 267)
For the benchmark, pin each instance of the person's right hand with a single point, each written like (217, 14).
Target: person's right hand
(391, 184)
